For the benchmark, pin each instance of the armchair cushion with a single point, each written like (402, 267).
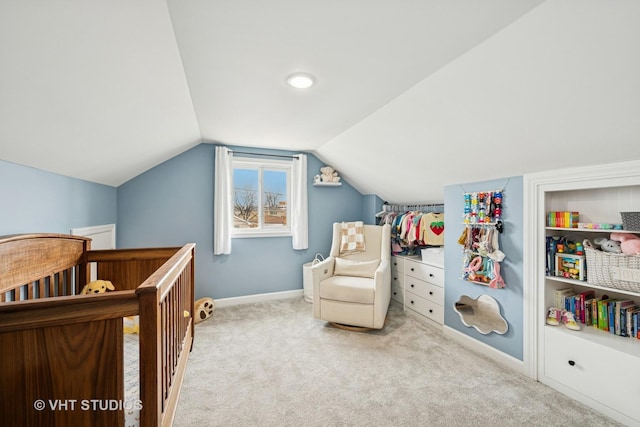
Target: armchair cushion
(346, 267)
(348, 289)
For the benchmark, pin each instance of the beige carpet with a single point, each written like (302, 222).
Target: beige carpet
(272, 364)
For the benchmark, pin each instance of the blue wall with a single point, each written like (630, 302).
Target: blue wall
(371, 205)
(509, 298)
(172, 204)
(35, 201)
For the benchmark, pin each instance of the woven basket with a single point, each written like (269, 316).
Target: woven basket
(630, 220)
(609, 270)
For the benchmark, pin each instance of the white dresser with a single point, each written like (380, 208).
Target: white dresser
(418, 286)
(397, 278)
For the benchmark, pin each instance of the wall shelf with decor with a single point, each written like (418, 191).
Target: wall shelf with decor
(327, 184)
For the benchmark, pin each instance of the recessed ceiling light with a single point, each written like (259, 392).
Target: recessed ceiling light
(300, 80)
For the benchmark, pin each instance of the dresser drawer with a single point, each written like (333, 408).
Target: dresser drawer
(397, 278)
(397, 263)
(425, 290)
(603, 374)
(397, 293)
(424, 307)
(426, 272)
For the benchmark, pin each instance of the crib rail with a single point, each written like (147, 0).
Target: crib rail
(69, 348)
(37, 266)
(128, 268)
(62, 351)
(166, 335)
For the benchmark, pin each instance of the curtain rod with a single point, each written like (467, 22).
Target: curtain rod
(268, 155)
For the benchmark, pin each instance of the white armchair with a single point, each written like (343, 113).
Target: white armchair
(355, 289)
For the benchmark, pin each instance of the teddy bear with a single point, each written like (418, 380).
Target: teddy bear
(629, 243)
(329, 174)
(608, 245)
(204, 309)
(97, 287)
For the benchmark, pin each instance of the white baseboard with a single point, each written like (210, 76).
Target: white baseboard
(487, 350)
(248, 299)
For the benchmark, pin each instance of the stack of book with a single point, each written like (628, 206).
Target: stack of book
(616, 316)
(562, 219)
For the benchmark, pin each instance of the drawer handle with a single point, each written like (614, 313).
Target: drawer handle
(395, 293)
(411, 302)
(412, 269)
(430, 311)
(430, 293)
(412, 285)
(572, 363)
(430, 274)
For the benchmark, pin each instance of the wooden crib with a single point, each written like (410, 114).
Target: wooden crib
(61, 353)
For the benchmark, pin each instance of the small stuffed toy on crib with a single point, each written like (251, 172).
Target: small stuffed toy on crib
(131, 323)
(97, 287)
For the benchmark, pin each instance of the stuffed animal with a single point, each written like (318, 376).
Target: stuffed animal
(97, 287)
(131, 324)
(629, 243)
(204, 309)
(607, 245)
(329, 175)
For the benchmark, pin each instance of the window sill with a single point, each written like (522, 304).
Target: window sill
(268, 233)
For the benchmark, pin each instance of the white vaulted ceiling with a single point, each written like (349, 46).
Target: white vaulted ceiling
(412, 90)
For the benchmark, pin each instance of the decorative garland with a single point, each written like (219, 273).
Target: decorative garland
(484, 208)
(482, 256)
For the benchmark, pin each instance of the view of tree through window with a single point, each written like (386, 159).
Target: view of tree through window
(260, 197)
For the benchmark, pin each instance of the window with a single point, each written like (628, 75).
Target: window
(262, 198)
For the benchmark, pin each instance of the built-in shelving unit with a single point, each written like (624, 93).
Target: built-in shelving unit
(593, 366)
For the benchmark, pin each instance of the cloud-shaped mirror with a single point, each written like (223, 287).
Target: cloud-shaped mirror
(482, 313)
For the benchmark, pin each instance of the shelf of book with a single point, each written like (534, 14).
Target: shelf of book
(592, 230)
(588, 285)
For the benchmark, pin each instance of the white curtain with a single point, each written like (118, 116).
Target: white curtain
(300, 209)
(223, 201)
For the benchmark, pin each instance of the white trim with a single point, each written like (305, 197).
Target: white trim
(259, 233)
(530, 217)
(248, 299)
(485, 349)
(98, 229)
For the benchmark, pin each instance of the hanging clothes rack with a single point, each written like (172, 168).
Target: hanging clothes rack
(413, 225)
(406, 207)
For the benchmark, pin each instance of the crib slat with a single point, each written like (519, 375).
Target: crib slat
(172, 305)
(165, 346)
(54, 284)
(41, 285)
(69, 287)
